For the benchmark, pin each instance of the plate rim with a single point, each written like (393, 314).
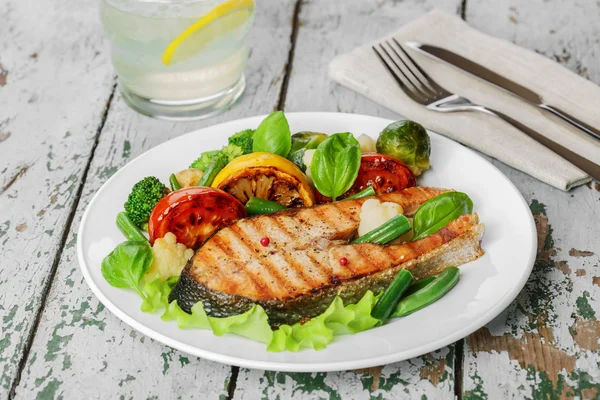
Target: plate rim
(490, 314)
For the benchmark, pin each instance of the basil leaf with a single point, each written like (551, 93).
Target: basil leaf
(126, 264)
(335, 164)
(436, 213)
(273, 135)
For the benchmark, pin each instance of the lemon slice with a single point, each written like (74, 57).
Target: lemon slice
(267, 176)
(191, 41)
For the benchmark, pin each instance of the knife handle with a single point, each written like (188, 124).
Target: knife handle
(572, 120)
(582, 163)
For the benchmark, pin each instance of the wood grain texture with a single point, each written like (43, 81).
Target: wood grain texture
(545, 345)
(54, 85)
(327, 29)
(80, 349)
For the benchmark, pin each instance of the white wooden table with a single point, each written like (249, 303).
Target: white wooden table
(64, 130)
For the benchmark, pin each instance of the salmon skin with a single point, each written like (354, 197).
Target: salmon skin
(298, 274)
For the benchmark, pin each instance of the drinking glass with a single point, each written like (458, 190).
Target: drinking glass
(179, 59)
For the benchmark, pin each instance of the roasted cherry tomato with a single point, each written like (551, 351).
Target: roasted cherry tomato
(385, 173)
(193, 214)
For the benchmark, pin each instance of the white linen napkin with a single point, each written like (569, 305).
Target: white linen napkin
(362, 71)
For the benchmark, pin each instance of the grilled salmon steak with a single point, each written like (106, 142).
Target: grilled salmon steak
(298, 273)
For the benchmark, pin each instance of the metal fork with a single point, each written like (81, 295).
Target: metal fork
(421, 88)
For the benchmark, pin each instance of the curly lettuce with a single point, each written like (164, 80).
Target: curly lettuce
(317, 333)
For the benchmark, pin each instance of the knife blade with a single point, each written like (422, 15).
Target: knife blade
(484, 74)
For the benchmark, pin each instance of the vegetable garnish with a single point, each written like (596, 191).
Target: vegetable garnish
(338, 319)
(335, 164)
(243, 139)
(301, 142)
(384, 173)
(273, 135)
(128, 228)
(264, 241)
(369, 191)
(227, 153)
(125, 266)
(418, 285)
(387, 232)
(407, 141)
(437, 212)
(256, 206)
(268, 176)
(391, 296)
(142, 199)
(212, 170)
(429, 294)
(174, 182)
(193, 214)
(343, 261)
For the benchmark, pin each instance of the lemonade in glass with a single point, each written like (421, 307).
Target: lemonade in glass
(179, 59)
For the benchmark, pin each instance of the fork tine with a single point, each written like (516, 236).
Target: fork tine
(416, 96)
(433, 84)
(416, 81)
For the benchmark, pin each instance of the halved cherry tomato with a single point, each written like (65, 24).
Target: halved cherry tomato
(385, 173)
(193, 214)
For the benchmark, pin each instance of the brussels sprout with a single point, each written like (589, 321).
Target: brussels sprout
(407, 141)
(301, 142)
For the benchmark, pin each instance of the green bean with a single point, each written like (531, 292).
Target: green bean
(392, 294)
(174, 182)
(369, 191)
(128, 228)
(212, 170)
(385, 233)
(418, 285)
(256, 205)
(429, 294)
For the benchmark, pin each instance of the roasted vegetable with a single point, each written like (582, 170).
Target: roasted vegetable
(142, 199)
(193, 214)
(407, 141)
(301, 142)
(267, 176)
(189, 177)
(243, 140)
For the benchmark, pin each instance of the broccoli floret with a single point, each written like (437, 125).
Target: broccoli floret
(230, 152)
(204, 160)
(243, 139)
(142, 199)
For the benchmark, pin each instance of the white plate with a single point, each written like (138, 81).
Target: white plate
(487, 286)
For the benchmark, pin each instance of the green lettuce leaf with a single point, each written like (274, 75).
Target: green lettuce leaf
(317, 333)
(155, 294)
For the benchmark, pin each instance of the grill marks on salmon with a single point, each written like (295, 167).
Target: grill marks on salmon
(276, 271)
(298, 273)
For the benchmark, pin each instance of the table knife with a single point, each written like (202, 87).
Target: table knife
(497, 80)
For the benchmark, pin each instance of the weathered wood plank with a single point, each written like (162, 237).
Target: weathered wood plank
(54, 84)
(81, 350)
(545, 345)
(327, 29)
